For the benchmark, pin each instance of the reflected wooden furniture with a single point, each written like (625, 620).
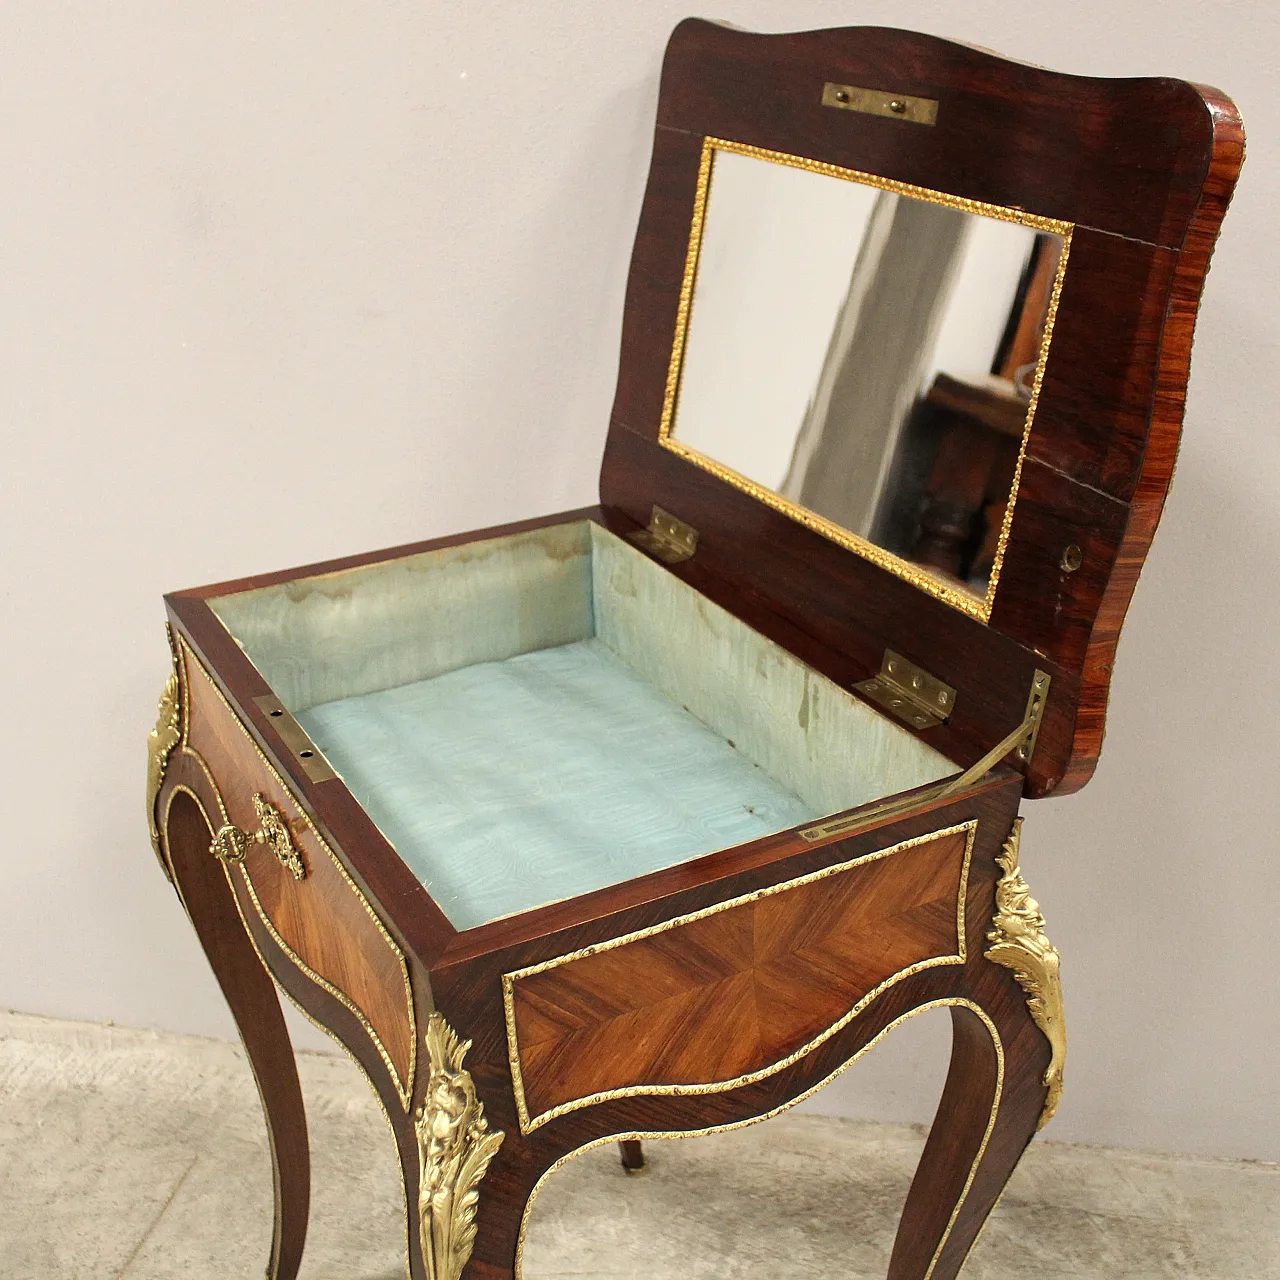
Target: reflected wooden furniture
(975, 431)
(717, 990)
(977, 425)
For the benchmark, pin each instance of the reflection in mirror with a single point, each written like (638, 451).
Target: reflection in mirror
(866, 354)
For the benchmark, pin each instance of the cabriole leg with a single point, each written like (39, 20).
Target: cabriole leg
(1005, 1082)
(985, 1119)
(249, 992)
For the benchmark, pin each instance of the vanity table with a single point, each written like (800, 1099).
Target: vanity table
(647, 819)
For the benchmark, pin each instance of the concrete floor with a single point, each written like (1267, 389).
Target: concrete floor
(124, 1154)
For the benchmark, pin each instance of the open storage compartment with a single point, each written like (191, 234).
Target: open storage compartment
(533, 717)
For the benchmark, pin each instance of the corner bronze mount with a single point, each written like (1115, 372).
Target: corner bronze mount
(1019, 943)
(455, 1148)
(231, 843)
(160, 744)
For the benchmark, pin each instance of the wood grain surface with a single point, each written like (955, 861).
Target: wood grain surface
(207, 896)
(738, 990)
(1143, 168)
(323, 920)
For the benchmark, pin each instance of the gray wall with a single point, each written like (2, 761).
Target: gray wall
(286, 281)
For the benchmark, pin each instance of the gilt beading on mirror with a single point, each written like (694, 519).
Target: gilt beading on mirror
(865, 355)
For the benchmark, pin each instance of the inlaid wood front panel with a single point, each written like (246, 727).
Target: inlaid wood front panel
(323, 921)
(734, 992)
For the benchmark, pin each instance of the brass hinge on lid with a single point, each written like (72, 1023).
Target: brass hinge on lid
(910, 692)
(923, 701)
(667, 538)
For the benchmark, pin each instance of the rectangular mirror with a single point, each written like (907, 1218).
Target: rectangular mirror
(865, 356)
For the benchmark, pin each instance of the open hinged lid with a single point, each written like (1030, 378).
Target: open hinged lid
(904, 354)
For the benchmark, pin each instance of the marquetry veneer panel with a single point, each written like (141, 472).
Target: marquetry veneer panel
(736, 990)
(323, 920)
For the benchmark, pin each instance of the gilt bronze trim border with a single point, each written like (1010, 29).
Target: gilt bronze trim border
(333, 1035)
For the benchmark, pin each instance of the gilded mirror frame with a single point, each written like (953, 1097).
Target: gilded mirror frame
(968, 602)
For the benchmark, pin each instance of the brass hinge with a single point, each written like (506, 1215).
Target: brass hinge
(667, 538)
(910, 692)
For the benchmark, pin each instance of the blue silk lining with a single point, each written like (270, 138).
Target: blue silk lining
(531, 717)
(509, 784)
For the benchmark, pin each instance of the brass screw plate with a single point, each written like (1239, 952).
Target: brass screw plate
(879, 102)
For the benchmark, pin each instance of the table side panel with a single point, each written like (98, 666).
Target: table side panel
(323, 921)
(774, 973)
